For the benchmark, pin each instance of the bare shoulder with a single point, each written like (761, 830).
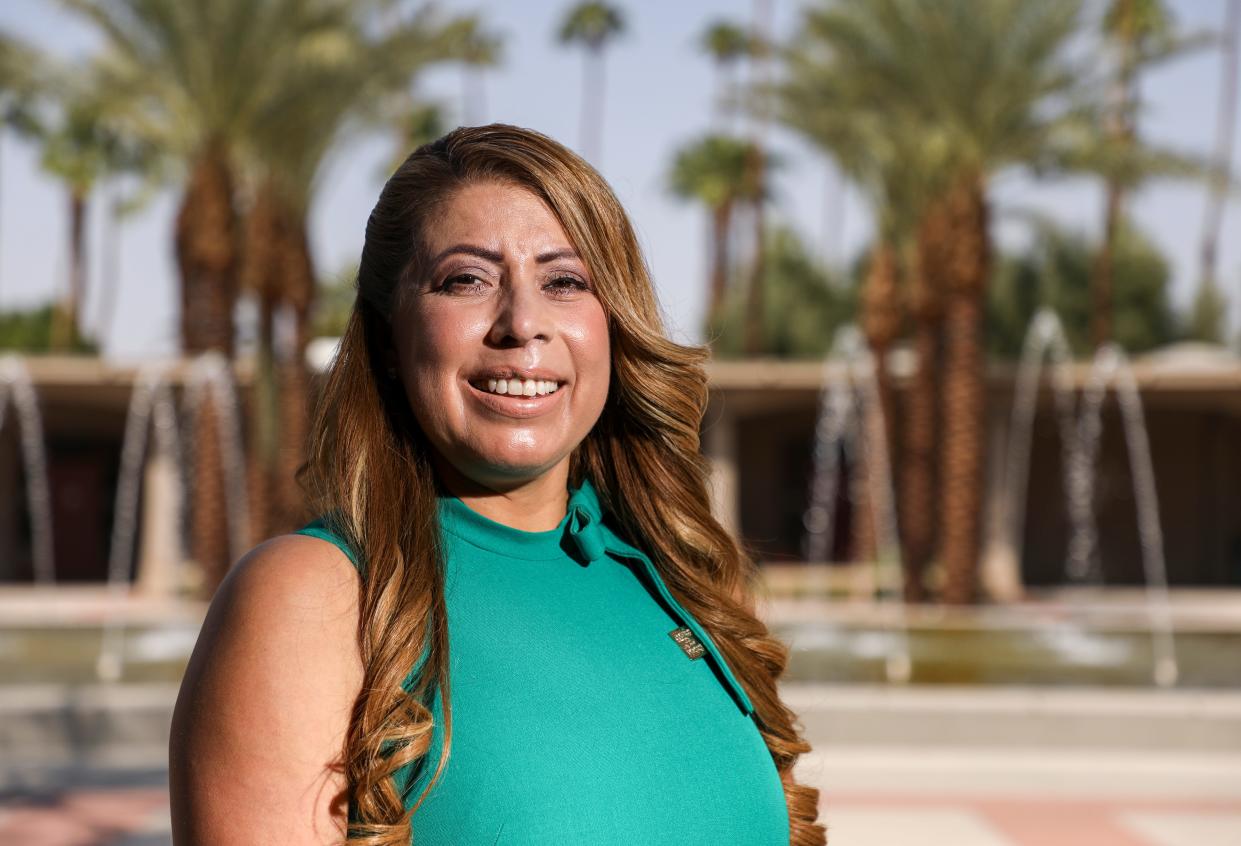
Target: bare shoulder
(266, 700)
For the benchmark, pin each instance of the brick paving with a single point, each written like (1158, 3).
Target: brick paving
(121, 816)
(881, 819)
(94, 816)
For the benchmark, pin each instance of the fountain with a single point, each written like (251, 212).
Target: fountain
(840, 432)
(1079, 437)
(15, 382)
(1111, 366)
(210, 375)
(846, 406)
(151, 400)
(152, 404)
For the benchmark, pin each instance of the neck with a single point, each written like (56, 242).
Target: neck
(531, 505)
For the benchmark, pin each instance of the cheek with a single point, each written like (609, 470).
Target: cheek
(438, 343)
(588, 341)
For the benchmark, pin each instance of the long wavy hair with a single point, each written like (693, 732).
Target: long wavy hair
(370, 468)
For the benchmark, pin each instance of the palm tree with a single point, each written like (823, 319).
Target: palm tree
(195, 75)
(726, 43)
(20, 66)
(479, 49)
(985, 86)
(592, 24)
(81, 147)
(714, 171)
(202, 80)
(885, 154)
(1141, 33)
(360, 82)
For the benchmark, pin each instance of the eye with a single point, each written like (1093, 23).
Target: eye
(461, 282)
(567, 284)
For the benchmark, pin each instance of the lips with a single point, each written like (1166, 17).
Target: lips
(519, 405)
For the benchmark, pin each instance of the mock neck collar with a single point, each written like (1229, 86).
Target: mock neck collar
(578, 535)
(581, 536)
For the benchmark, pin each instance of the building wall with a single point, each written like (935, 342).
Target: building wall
(1197, 466)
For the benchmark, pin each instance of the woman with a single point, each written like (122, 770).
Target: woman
(516, 621)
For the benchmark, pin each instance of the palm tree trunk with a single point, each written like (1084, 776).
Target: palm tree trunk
(754, 314)
(209, 535)
(110, 275)
(77, 262)
(592, 105)
(206, 257)
(1226, 120)
(1120, 126)
(1102, 278)
(721, 219)
(964, 391)
(259, 274)
(261, 455)
(755, 302)
(65, 316)
(299, 294)
(294, 424)
(919, 426)
(927, 266)
(880, 323)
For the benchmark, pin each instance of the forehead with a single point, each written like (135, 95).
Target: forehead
(494, 214)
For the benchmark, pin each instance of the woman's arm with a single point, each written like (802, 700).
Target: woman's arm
(260, 722)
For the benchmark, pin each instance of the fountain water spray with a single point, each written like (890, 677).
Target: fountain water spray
(211, 375)
(845, 406)
(151, 402)
(1079, 437)
(1111, 366)
(15, 382)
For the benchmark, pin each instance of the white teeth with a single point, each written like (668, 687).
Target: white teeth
(522, 387)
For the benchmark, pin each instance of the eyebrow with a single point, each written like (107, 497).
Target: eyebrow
(492, 255)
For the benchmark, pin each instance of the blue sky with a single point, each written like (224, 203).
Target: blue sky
(660, 90)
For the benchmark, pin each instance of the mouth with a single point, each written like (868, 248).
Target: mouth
(512, 393)
(517, 387)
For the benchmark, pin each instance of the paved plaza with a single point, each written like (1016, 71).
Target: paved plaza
(138, 816)
(920, 791)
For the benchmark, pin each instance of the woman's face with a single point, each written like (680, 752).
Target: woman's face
(502, 344)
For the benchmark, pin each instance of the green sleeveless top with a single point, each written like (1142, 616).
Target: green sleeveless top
(589, 707)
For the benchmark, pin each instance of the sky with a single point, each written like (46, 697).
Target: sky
(660, 90)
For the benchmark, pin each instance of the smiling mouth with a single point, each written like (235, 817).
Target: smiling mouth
(517, 387)
(519, 406)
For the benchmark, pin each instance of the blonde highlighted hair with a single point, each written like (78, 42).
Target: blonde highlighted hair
(370, 468)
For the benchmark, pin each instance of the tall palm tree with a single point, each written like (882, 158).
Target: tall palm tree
(20, 71)
(1141, 34)
(202, 79)
(592, 24)
(713, 170)
(987, 86)
(81, 147)
(726, 43)
(196, 74)
(479, 49)
(885, 154)
(352, 76)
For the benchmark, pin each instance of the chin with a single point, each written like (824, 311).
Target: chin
(515, 465)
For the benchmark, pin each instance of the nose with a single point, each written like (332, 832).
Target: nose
(523, 314)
